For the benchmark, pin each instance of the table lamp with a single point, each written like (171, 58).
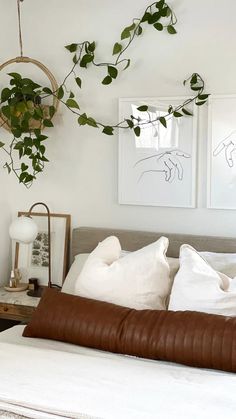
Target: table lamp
(25, 230)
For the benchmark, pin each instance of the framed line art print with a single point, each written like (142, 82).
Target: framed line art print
(159, 167)
(221, 170)
(32, 259)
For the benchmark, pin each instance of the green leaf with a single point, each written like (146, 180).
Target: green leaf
(160, 4)
(125, 34)
(131, 27)
(1, 144)
(16, 76)
(5, 94)
(107, 80)
(6, 166)
(139, 30)
(137, 131)
(177, 114)
(168, 11)
(47, 90)
(158, 26)
(28, 142)
(113, 72)
(82, 120)
(72, 103)
(18, 145)
(86, 59)
(47, 123)
(75, 59)
(43, 158)
(23, 176)
(27, 90)
(6, 110)
(91, 47)
(200, 103)
(117, 48)
(71, 95)
(60, 93)
(146, 17)
(108, 130)
(142, 108)
(203, 97)
(16, 132)
(196, 88)
(154, 18)
(193, 79)
(164, 11)
(92, 122)
(52, 111)
(187, 112)
(42, 149)
(24, 167)
(127, 64)
(78, 81)
(171, 30)
(130, 123)
(42, 137)
(163, 121)
(71, 47)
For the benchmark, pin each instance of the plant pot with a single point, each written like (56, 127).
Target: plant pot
(33, 123)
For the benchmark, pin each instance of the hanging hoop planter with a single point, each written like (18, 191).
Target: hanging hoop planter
(32, 105)
(33, 124)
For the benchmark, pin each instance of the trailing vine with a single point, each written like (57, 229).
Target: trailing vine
(24, 110)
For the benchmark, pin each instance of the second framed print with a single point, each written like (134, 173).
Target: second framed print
(222, 152)
(158, 168)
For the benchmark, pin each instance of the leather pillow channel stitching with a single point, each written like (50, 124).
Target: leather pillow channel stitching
(191, 338)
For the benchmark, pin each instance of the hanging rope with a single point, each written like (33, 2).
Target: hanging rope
(19, 27)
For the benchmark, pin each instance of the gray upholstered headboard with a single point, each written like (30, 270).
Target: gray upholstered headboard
(85, 239)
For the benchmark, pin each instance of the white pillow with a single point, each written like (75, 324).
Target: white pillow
(222, 262)
(198, 287)
(138, 280)
(69, 284)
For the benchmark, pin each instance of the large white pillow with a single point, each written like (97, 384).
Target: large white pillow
(138, 280)
(199, 287)
(69, 284)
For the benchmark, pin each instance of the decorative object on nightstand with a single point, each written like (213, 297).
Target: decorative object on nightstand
(14, 283)
(47, 236)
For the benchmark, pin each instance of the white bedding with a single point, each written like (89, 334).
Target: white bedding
(46, 379)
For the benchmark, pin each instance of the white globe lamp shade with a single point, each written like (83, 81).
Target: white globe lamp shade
(23, 230)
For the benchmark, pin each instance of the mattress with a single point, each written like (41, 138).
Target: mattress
(47, 379)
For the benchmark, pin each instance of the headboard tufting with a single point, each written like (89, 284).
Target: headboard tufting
(85, 239)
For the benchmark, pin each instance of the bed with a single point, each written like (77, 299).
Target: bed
(48, 379)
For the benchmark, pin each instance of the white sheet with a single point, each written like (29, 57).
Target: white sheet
(65, 381)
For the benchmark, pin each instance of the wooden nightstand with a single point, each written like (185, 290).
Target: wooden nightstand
(17, 305)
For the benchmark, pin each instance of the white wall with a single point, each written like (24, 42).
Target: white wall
(82, 176)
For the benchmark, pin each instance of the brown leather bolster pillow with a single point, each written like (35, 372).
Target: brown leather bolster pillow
(190, 338)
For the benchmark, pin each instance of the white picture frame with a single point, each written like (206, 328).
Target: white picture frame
(221, 153)
(60, 237)
(159, 188)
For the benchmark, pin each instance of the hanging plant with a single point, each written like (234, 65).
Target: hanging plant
(25, 114)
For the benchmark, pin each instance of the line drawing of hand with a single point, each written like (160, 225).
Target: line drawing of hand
(228, 146)
(168, 162)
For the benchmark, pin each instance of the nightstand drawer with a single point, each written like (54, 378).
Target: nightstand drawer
(15, 312)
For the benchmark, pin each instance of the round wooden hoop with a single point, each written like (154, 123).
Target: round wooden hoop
(42, 67)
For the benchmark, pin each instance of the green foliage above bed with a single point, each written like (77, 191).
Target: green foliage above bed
(24, 111)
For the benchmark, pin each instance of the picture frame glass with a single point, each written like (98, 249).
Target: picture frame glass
(33, 259)
(158, 168)
(221, 191)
